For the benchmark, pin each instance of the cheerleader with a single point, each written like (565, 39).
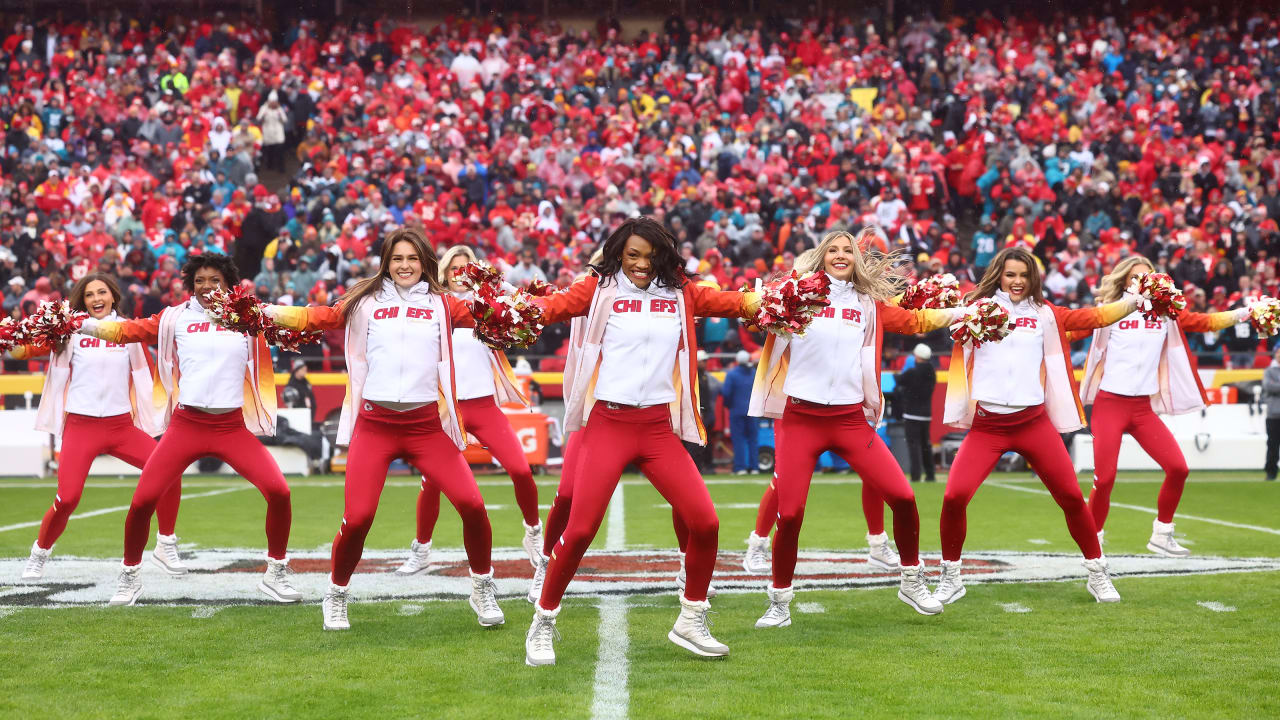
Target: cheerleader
(227, 396)
(1018, 395)
(97, 399)
(1135, 369)
(880, 552)
(823, 388)
(634, 394)
(484, 380)
(400, 375)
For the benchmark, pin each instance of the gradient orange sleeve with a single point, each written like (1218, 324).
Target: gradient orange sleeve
(1091, 318)
(709, 302)
(306, 319)
(912, 322)
(574, 301)
(459, 312)
(27, 352)
(1206, 322)
(145, 330)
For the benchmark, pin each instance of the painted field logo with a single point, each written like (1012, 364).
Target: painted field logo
(230, 576)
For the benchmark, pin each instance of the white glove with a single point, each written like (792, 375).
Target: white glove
(89, 327)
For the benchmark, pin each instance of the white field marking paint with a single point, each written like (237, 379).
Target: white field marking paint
(204, 612)
(7, 611)
(1014, 607)
(1039, 541)
(719, 506)
(410, 609)
(810, 608)
(611, 699)
(1216, 606)
(616, 536)
(222, 577)
(123, 508)
(1148, 510)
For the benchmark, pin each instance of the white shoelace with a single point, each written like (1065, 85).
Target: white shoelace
(127, 580)
(36, 562)
(170, 552)
(279, 573)
(337, 606)
(488, 600)
(545, 634)
(702, 624)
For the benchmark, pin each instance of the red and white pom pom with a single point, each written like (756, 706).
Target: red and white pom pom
(987, 321)
(8, 334)
(936, 292)
(1264, 316)
(238, 310)
(503, 319)
(1158, 296)
(288, 339)
(789, 303)
(540, 288)
(50, 325)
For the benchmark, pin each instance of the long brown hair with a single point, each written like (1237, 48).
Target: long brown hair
(1113, 285)
(76, 298)
(371, 285)
(873, 273)
(990, 281)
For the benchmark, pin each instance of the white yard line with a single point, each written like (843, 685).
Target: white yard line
(123, 508)
(1149, 510)
(612, 699)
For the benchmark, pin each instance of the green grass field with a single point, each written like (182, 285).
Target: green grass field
(1009, 649)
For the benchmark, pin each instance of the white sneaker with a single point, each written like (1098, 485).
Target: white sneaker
(881, 554)
(757, 560)
(539, 577)
(1163, 543)
(539, 642)
(276, 584)
(128, 587)
(484, 600)
(1099, 585)
(692, 630)
(166, 555)
(914, 592)
(779, 613)
(419, 559)
(35, 563)
(950, 588)
(680, 578)
(533, 543)
(334, 608)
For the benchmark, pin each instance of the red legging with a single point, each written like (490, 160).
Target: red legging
(558, 515)
(767, 515)
(613, 438)
(194, 434)
(1030, 434)
(382, 435)
(487, 422)
(804, 432)
(85, 438)
(1115, 415)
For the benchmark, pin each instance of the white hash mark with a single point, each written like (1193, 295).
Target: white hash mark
(1216, 606)
(1014, 607)
(204, 612)
(810, 608)
(408, 609)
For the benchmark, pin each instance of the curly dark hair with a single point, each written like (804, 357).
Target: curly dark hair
(221, 263)
(668, 268)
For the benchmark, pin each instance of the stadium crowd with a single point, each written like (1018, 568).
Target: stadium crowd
(130, 145)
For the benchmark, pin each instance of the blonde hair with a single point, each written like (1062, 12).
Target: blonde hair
(873, 273)
(447, 259)
(1113, 285)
